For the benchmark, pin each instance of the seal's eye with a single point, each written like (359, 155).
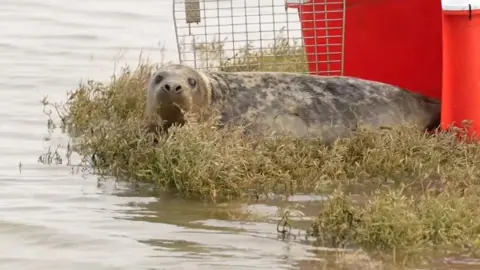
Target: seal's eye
(192, 82)
(158, 79)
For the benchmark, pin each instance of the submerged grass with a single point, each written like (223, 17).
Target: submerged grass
(436, 218)
(404, 223)
(423, 188)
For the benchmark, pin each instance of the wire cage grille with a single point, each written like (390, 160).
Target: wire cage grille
(261, 35)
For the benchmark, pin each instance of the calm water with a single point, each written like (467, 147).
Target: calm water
(51, 218)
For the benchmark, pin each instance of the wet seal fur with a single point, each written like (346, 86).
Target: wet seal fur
(329, 107)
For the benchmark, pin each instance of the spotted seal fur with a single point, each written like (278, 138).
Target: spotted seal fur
(299, 104)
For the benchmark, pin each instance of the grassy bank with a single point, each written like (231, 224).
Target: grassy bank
(404, 220)
(437, 207)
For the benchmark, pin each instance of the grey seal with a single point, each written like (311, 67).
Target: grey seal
(297, 104)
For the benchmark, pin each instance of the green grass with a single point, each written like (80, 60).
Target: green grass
(404, 221)
(198, 161)
(284, 55)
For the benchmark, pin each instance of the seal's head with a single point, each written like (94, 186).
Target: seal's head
(174, 89)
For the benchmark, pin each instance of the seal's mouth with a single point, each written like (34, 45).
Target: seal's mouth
(169, 111)
(181, 101)
(172, 107)
(171, 114)
(166, 98)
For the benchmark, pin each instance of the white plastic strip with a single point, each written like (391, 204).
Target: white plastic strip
(460, 4)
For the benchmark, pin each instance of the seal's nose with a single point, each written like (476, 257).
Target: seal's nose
(172, 87)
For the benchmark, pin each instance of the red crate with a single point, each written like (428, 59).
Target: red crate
(392, 41)
(322, 28)
(461, 56)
